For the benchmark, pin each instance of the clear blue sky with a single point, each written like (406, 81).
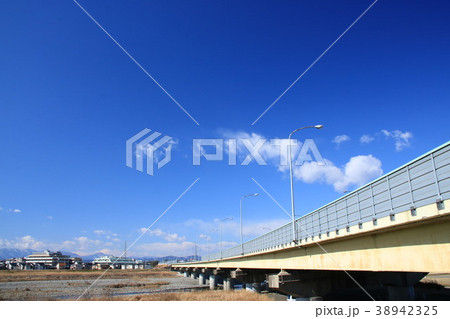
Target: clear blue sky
(70, 98)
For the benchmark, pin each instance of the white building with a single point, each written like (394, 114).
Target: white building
(113, 262)
(15, 264)
(47, 260)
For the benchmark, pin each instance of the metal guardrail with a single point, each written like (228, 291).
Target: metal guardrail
(423, 181)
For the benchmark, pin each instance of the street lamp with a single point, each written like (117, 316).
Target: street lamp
(242, 234)
(294, 232)
(206, 237)
(220, 230)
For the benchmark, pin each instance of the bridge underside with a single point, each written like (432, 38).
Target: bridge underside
(394, 253)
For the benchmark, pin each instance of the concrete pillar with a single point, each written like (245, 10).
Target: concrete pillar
(228, 284)
(201, 279)
(212, 282)
(186, 274)
(193, 275)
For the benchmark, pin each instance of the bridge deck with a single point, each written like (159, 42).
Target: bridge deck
(421, 182)
(419, 243)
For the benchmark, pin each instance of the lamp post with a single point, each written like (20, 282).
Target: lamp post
(294, 232)
(207, 241)
(206, 237)
(220, 230)
(242, 234)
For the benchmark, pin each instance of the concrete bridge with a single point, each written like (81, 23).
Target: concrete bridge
(375, 242)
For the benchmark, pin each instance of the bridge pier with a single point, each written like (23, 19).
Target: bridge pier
(212, 282)
(186, 274)
(194, 275)
(201, 279)
(228, 284)
(337, 285)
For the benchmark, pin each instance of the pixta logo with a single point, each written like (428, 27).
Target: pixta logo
(237, 151)
(258, 150)
(139, 146)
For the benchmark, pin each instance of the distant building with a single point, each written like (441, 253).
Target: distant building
(48, 260)
(107, 262)
(87, 265)
(15, 264)
(76, 263)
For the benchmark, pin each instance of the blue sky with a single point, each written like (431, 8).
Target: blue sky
(70, 98)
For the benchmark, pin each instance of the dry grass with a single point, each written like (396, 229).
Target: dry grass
(52, 274)
(443, 279)
(217, 295)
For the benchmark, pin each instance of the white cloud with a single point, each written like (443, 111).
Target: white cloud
(340, 139)
(366, 139)
(49, 217)
(401, 138)
(170, 237)
(68, 243)
(11, 210)
(85, 242)
(205, 237)
(268, 151)
(107, 233)
(81, 245)
(356, 172)
(25, 242)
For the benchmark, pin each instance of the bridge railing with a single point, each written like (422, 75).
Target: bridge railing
(423, 181)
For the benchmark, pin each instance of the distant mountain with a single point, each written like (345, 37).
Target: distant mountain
(69, 253)
(6, 253)
(90, 258)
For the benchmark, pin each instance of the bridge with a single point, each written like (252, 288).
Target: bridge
(374, 243)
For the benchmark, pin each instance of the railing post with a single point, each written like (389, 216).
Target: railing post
(374, 218)
(389, 192)
(346, 211)
(410, 186)
(359, 207)
(435, 178)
